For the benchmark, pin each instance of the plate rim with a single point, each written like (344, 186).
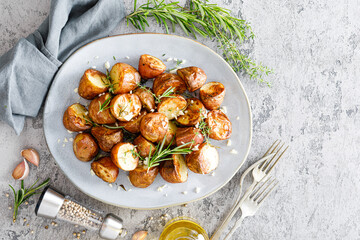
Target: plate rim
(169, 205)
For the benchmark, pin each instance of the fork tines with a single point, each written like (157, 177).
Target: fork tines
(261, 192)
(275, 148)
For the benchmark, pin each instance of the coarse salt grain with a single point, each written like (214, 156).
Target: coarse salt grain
(71, 139)
(184, 192)
(110, 185)
(237, 118)
(94, 67)
(161, 188)
(197, 189)
(169, 59)
(76, 90)
(228, 143)
(69, 131)
(212, 174)
(127, 57)
(129, 190)
(92, 172)
(96, 57)
(223, 109)
(107, 65)
(233, 151)
(65, 140)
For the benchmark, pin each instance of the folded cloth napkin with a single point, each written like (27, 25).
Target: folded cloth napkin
(27, 70)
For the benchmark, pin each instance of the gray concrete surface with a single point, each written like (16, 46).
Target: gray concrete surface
(313, 46)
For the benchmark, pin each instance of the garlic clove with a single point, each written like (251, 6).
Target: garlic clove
(140, 235)
(31, 155)
(21, 171)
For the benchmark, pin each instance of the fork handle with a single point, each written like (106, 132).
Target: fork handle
(236, 226)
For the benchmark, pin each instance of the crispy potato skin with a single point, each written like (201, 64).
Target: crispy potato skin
(125, 106)
(146, 98)
(143, 146)
(124, 78)
(122, 156)
(107, 138)
(172, 106)
(168, 80)
(88, 89)
(170, 134)
(154, 126)
(204, 160)
(73, 118)
(103, 117)
(212, 95)
(220, 125)
(141, 177)
(189, 135)
(194, 77)
(193, 112)
(85, 147)
(105, 169)
(133, 125)
(150, 66)
(174, 171)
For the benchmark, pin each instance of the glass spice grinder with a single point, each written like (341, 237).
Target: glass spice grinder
(53, 204)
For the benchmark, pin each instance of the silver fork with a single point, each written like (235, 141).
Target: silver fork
(260, 169)
(252, 203)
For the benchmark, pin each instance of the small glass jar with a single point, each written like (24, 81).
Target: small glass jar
(181, 228)
(53, 204)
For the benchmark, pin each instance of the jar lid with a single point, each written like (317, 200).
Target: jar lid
(111, 227)
(49, 203)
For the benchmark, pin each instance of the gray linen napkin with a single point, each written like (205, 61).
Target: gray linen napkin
(27, 70)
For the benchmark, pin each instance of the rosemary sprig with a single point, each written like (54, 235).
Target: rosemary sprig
(206, 20)
(161, 154)
(105, 105)
(167, 93)
(178, 62)
(204, 128)
(24, 194)
(108, 83)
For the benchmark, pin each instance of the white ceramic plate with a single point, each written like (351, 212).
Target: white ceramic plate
(128, 48)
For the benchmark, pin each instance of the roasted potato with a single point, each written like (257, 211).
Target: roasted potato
(107, 138)
(123, 155)
(150, 66)
(125, 107)
(170, 134)
(189, 135)
(101, 116)
(105, 169)
(204, 160)
(174, 171)
(133, 125)
(142, 177)
(146, 98)
(74, 118)
(193, 112)
(168, 80)
(154, 126)
(85, 147)
(219, 124)
(143, 146)
(172, 106)
(212, 95)
(124, 78)
(194, 77)
(92, 83)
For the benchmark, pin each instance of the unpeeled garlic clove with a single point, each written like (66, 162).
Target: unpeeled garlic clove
(21, 171)
(140, 235)
(31, 155)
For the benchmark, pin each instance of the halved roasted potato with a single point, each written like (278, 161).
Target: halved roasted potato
(74, 118)
(189, 135)
(133, 125)
(123, 155)
(193, 112)
(212, 95)
(105, 169)
(168, 80)
(204, 160)
(142, 177)
(154, 126)
(219, 124)
(146, 98)
(126, 106)
(194, 77)
(107, 138)
(174, 171)
(85, 147)
(99, 110)
(170, 134)
(150, 66)
(124, 78)
(172, 106)
(144, 146)
(92, 83)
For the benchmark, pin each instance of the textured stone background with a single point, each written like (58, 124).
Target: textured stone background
(314, 105)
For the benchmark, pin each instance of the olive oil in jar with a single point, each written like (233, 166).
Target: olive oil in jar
(183, 228)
